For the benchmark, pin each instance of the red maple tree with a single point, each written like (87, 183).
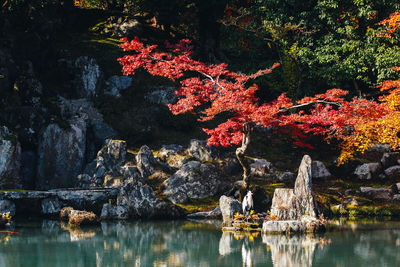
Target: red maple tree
(209, 90)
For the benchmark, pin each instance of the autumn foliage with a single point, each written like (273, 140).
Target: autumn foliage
(209, 90)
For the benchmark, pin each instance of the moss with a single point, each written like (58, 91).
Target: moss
(196, 205)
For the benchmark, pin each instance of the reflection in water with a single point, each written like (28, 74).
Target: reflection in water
(184, 243)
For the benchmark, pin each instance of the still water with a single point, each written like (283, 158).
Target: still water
(186, 243)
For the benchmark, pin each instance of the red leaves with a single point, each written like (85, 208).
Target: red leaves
(213, 89)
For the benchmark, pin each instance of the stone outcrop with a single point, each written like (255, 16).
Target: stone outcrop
(368, 171)
(81, 217)
(379, 194)
(229, 207)
(200, 150)
(390, 159)
(10, 159)
(193, 181)
(260, 167)
(61, 155)
(147, 164)
(88, 78)
(319, 171)
(393, 172)
(115, 84)
(206, 215)
(295, 209)
(110, 212)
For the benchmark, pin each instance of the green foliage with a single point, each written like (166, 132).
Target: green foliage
(335, 40)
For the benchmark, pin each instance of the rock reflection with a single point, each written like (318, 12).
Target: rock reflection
(296, 250)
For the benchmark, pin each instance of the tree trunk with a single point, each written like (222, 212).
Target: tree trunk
(240, 153)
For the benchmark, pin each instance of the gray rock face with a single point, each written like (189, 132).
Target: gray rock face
(319, 171)
(169, 150)
(199, 150)
(294, 204)
(110, 212)
(393, 172)
(229, 207)
(282, 226)
(194, 180)
(282, 202)
(304, 201)
(139, 198)
(51, 206)
(125, 27)
(89, 76)
(390, 159)
(260, 167)
(7, 206)
(28, 169)
(204, 215)
(61, 155)
(146, 162)
(115, 84)
(396, 198)
(367, 171)
(379, 194)
(10, 159)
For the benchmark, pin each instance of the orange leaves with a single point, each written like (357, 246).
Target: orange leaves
(392, 23)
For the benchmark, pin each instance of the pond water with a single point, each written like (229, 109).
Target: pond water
(186, 243)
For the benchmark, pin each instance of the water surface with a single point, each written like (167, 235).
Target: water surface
(186, 243)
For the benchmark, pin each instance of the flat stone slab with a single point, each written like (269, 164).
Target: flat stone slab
(282, 227)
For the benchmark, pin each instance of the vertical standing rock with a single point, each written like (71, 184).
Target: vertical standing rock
(10, 156)
(146, 162)
(304, 201)
(229, 207)
(61, 155)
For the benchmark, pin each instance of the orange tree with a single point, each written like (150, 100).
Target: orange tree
(210, 90)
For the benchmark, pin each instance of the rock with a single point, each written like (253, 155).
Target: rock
(6, 206)
(51, 206)
(130, 172)
(319, 171)
(169, 150)
(115, 84)
(282, 226)
(390, 159)
(146, 162)
(110, 212)
(367, 171)
(261, 199)
(200, 150)
(85, 181)
(287, 177)
(90, 200)
(65, 213)
(111, 181)
(194, 180)
(28, 169)
(102, 132)
(398, 187)
(162, 96)
(214, 214)
(127, 27)
(139, 199)
(80, 217)
(304, 203)
(393, 172)
(260, 167)
(89, 77)
(396, 198)
(282, 202)
(229, 207)
(61, 155)
(379, 194)
(375, 153)
(10, 159)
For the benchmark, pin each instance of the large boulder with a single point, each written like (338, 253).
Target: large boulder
(282, 226)
(10, 159)
(304, 203)
(110, 212)
(200, 150)
(260, 167)
(147, 164)
(390, 159)
(375, 153)
(282, 202)
(81, 217)
(319, 171)
(193, 181)
(88, 78)
(393, 172)
(162, 96)
(142, 203)
(51, 206)
(368, 171)
(229, 207)
(61, 155)
(379, 194)
(115, 84)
